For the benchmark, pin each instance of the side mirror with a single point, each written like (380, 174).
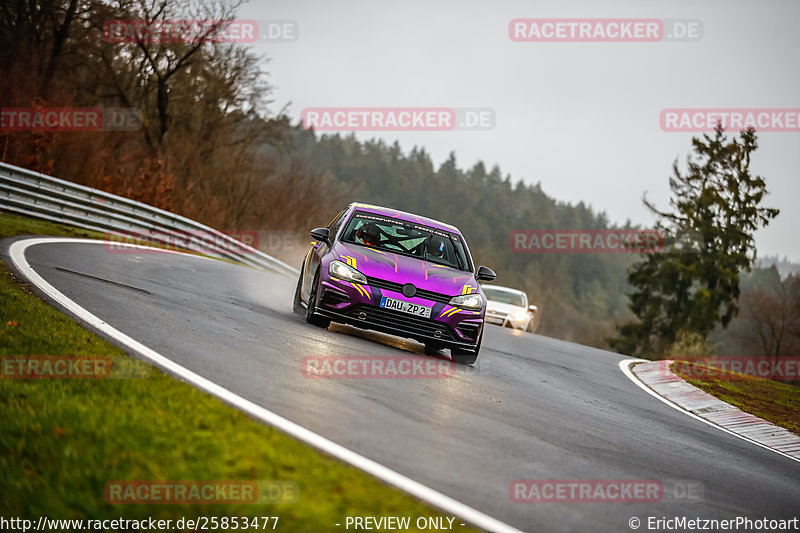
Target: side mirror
(485, 274)
(533, 308)
(321, 234)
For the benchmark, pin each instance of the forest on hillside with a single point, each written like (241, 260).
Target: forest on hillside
(210, 147)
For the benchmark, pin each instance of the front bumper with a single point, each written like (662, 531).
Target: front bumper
(498, 318)
(359, 305)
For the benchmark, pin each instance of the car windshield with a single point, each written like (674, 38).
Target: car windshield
(407, 238)
(506, 297)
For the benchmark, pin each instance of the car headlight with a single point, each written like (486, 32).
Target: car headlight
(340, 270)
(519, 316)
(473, 302)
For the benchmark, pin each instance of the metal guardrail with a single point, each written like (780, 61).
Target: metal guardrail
(45, 197)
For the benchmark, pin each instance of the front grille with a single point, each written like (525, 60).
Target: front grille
(403, 321)
(398, 287)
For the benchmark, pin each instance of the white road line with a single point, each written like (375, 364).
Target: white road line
(625, 366)
(423, 492)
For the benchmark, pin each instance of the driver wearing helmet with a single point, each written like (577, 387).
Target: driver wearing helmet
(369, 234)
(435, 247)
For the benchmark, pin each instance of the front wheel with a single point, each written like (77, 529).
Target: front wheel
(466, 357)
(311, 308)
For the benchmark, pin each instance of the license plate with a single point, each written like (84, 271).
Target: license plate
(406, 307)
(493, 320)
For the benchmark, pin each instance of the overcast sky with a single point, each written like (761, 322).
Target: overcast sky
(582, 118)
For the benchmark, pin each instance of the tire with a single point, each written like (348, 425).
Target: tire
(529, 329)
(466, 357)
(311, 307)
(297, 304)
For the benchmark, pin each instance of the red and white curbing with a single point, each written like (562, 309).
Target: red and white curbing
(663, 383)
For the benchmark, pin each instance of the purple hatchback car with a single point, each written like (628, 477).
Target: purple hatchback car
(390, 271)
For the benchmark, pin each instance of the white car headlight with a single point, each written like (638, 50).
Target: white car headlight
(340, 270)
(473, 302)
(519, 316)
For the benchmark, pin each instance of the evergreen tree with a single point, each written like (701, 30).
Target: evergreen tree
(694, 283)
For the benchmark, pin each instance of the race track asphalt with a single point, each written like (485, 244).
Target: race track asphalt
(533, 407)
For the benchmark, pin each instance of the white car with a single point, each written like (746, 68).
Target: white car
(509, 308)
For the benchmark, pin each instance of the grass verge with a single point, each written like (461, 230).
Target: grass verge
(773, 401)
(62, 441)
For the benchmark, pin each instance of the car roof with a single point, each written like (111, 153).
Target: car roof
(402, 215)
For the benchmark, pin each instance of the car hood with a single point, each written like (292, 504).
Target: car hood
(404, 269)
(503, 307)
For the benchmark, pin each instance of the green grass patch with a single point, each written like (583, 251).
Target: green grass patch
(62, 440)
(773, 401)
(13, 224)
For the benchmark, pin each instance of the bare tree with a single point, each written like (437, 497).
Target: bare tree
(770, 320)
(144, 68)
